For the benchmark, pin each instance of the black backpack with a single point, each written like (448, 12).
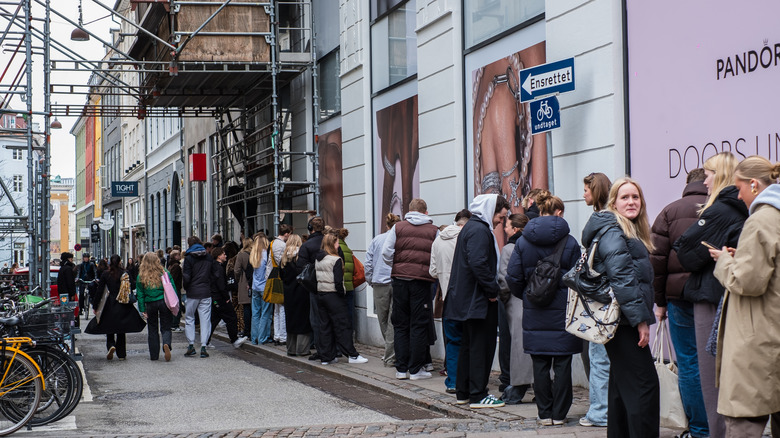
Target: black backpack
(542, 285)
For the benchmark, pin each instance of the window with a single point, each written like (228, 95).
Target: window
(18, 154)
(484, 19)
(394, 47)
(18, 185)
(329, 85)
(9, 121)
(379, 7)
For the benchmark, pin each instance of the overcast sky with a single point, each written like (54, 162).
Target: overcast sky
(63, 160)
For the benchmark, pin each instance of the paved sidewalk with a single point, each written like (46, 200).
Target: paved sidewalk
(511, 420)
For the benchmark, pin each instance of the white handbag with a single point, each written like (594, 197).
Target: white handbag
(590, 320)
(672, 413)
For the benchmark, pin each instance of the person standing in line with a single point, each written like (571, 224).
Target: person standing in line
(222, 305)
(242, 271)
(332, 304)
(670, 278)
(407, 250)
(472, 295)
(378, 276)
(151, 302)
(594, 356)
(748, 338)
(442, 251)
(174, 267)
(296, 301)
(132, 271)
(262, 312)
(216, 241)
(349, 272)
(307, 255)
(544, 335)
(197, 273)
(510, 342)
(623, 255)
(279, 318)
(720, 222)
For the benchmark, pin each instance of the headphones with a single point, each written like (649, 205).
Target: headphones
(308, 226)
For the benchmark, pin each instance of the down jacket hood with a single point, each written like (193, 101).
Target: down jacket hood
(598, 221)
(770, 196)
(546, 230)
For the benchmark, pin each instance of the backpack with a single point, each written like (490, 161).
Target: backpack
(542, 285)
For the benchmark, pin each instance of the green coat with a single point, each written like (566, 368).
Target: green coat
(147, 295)
(349, 266)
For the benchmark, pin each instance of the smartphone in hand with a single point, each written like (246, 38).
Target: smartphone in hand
(708, 245)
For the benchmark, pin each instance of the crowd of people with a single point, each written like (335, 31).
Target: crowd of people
(709, 264)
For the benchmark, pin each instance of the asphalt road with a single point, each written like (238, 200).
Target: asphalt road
(193, 395)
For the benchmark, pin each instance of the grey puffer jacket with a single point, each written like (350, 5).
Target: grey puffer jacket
(626, 262)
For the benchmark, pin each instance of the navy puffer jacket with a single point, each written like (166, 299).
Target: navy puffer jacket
(626, 263)
(544, 332)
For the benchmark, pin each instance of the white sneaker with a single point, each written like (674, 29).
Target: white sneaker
(428, 367)
(420, 375)
(331, 362)
(240, 341)
(358, 359)
(211, 346)
(401, 376)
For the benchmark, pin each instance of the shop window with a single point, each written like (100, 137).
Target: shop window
(394, 47)
(484, 19)
(329, 85)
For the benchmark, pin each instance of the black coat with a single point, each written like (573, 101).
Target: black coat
(626, 262)
(66, 280)
(720, 225)
(219, 292)
(671, 223)
(116, 317)
(474, 278)
(308, 252)
(544, 331)
(296, 301)
(198, 271)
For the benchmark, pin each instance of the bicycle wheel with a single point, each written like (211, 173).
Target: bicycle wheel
(64, 385)
(20, 391)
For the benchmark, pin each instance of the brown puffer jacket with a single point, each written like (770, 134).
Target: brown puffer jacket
(671, 223)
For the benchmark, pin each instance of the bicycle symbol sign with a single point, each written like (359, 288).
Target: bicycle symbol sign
(546, 114)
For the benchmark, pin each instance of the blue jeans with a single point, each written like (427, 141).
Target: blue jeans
(453, 332)
(262, 313)
(683, 333)
(599, 384)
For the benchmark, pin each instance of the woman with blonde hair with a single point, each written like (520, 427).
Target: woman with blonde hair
(623, 255)
(296, 301)
(261, 310)
(749, 334)
(720, 223)
(151, 302)
(332, 304)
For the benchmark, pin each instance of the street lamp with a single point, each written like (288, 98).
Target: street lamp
(79, 34)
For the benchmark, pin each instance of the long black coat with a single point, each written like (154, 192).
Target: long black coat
(296, 301)
(720, 224)
(66, 280)
(116, 317)
(544, 331)
(626, 262)
(474, 278)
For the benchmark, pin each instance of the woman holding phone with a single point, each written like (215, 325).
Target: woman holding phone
(720, 223)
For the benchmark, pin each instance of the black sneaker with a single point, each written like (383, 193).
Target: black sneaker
(203, 352)
(315, 356)
(190, 351)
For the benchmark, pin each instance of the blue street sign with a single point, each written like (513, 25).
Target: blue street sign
(555, 77)
(545, 115)
(124, 188)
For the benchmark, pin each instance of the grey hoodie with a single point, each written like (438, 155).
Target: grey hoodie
(770, 196)
(442, 250)
(483, 208)
(388, 249)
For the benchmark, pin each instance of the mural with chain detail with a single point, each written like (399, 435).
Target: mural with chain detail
(508, 159)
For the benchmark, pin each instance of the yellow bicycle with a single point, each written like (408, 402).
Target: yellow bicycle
(21, 383)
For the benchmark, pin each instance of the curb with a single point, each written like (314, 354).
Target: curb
(367, 382)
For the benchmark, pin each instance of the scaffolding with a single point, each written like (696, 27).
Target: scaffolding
(229, 60)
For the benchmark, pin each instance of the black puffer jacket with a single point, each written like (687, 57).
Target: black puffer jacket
(544, 331)
(671, 223)
(198, 272)
(626, 263)
(721, 224)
